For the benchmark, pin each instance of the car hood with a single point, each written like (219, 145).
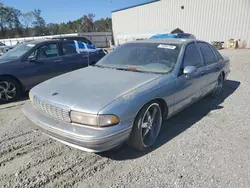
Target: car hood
(91, 89)
(5, 60)
(7, 65)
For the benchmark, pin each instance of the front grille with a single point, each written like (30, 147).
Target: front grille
(52, 110)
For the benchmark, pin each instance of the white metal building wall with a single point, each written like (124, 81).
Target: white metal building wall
(209, 20)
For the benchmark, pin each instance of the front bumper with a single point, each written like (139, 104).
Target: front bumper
(90, 139)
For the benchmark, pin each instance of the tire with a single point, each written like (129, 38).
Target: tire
(146, 128)
(10, 90)
(219, 87)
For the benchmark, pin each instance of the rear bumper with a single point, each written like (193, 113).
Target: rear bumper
(81, 137)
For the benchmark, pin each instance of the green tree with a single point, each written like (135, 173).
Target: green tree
(9, 21)
(33, 24)
(103, 25)
(27, 19)
(62, 28)
(88, 22)
(39, 23)
(52, 28)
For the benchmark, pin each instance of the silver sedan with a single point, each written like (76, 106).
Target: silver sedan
(126, 96)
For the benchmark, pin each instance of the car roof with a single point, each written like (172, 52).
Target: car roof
(65, 37)
(44, 40)
(166, 41)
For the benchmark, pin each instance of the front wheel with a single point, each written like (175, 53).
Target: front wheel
(9, 90)
(146, 127)
(219, 86)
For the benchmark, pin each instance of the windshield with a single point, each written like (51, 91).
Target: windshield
(18, 51)
(143, 57)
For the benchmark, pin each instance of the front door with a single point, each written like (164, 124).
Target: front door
(189, 89)
(45, 65)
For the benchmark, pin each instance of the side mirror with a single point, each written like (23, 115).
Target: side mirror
(32, 58)
(188, 70)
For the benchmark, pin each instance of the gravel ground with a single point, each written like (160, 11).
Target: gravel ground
(206, 145)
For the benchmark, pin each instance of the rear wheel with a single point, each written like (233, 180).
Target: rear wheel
(146, 127)
(219, 86)
(10, 90)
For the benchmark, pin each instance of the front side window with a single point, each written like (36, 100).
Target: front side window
(46, 51)
(69, 48)
(207, 53)
(145, 57)
(192, 56)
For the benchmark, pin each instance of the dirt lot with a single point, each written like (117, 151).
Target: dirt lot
(206, 145)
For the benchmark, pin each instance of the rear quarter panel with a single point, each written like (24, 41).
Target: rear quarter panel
(226, 66)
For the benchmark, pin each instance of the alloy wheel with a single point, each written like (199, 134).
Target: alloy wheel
(151, 124)
(7, 90)
(219, 86)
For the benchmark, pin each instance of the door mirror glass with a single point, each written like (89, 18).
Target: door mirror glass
(32, 58)
(188, 70)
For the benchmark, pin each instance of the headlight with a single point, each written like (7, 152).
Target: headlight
(94, 120)
(31, 97)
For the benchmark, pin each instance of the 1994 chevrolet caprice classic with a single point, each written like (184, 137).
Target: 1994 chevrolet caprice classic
(127, 94)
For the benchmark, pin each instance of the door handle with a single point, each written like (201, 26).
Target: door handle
(58, 60)
(202, 73)
(217, 68)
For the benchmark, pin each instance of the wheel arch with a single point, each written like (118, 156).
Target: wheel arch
(163, 106)
(14, 78)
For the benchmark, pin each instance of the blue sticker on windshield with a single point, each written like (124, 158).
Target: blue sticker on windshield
(166, 46)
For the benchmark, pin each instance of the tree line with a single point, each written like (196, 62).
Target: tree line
(14, 23)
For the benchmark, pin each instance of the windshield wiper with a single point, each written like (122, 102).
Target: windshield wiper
(126, 69)
(99, 66)
(133, 70)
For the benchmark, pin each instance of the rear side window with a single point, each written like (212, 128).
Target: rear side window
(69, 48)
(192, 56)
(217, 54)
(207, 53)
(83, 39)
(80, 45)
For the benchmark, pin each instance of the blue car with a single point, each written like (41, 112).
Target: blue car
(173, 35)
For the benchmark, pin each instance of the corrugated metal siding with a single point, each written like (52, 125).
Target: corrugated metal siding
(208, 20)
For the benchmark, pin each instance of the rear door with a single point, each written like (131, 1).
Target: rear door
(189, 89)
(212, 66)
(71, 59)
